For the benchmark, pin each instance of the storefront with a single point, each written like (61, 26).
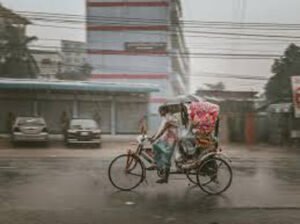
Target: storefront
(118, 108)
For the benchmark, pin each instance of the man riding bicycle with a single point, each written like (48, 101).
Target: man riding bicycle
(164, 143)
(201, 120)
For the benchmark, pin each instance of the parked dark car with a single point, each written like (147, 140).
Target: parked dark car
(83, 131)
(30, 129)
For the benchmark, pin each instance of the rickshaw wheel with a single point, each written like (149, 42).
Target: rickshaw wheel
(214, 176)
(192, 176)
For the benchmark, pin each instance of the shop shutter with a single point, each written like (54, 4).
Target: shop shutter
(129, 116)
(52, 112)
(99, 111)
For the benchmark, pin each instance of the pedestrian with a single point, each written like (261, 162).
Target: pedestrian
(64, 120)
(143, 125)
(97, 117)
(10, 122)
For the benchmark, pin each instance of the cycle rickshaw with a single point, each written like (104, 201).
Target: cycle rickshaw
(206, 166)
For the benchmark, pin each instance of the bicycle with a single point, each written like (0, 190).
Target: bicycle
(131, 168)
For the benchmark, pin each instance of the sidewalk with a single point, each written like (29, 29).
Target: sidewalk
(5, 137)
(53, 151)
(110, 145)
(57, 140)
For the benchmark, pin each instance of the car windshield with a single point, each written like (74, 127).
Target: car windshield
(83, 124)
(28, 121)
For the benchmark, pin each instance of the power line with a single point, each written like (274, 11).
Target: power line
(134, 19)
(199, 76)
(227, 36)
(201, 32)
(204, 54)
(228, 75)
(221, 55)
(218, 35)
(190, 44)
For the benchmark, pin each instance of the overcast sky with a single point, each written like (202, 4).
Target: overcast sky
(271, 11)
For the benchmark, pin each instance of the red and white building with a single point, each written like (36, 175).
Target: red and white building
(138, 41)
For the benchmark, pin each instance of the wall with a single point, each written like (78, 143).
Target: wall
(262, 128)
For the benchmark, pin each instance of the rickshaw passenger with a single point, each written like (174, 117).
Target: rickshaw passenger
(164, 142)
(201, 120)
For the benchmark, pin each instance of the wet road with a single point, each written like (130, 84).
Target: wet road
(72, 187)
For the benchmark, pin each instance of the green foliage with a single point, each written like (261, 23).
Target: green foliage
(16, 60)
(278, 87)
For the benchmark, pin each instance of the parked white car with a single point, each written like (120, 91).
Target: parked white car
(30, 129)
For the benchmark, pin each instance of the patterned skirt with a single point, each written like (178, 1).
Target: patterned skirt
(163, 154)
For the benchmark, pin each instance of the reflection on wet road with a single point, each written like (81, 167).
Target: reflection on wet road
(265, 189)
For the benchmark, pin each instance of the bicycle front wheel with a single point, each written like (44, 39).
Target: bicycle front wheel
(126, 172)
(214, 176)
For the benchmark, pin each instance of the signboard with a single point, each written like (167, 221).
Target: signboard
(145, 46)
(296, 94)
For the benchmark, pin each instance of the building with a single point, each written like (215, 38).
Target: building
(111, 104)
(48, 62)
(139, 42)
(281, 117)
(279, 123)
(73, 54)
(237, 111)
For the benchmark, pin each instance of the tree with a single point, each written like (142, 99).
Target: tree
(16, 60)
(217, 86)
(83, 73)
(278, 87)
(86, 70)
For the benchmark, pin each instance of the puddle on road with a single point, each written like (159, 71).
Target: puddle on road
(13, 176)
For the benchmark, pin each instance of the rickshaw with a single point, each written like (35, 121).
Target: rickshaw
(200, 159)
